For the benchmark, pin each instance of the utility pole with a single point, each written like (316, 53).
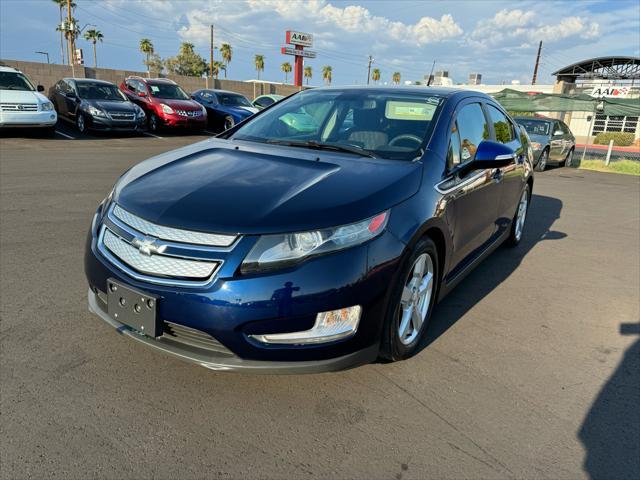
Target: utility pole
(211, 57)
(535, 69)
(369, 69)
(71, 46)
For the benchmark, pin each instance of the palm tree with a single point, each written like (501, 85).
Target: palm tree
(227, 53)
(308, 73)
(286, 68)
(93, 36)
(258, 61)
(62, 4)
(146, 47)
(326, 74)
(375, 75)
(217, 66)
(395, 78)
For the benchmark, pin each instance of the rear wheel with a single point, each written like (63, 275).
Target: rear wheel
(542, 162)
(567, 161)
(519, 219)
(411, 302)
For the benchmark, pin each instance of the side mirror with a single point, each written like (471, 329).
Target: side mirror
(70, 95)
(142, 94)
(489, 155)
(40, 88)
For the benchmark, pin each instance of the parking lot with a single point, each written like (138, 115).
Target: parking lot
(531, 367)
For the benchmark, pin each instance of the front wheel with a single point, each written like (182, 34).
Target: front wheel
(411, 302)
(542, 162)
(228, 122)
(81, 122)
(154, 123)
(519, 219)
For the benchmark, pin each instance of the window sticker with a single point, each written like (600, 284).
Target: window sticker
(417, 111)
(154, 89)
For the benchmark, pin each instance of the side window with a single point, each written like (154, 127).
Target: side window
(69, 87)
(472, 129)
(265, 102)
(564, 128)
(501, 125)
(453, 158)
(556, 127)
(129, 85)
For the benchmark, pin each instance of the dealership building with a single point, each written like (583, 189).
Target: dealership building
(614, 77)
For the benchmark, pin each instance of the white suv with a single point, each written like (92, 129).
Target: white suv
(21, 105)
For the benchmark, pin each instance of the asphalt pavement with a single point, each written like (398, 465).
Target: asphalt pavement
(531, 368)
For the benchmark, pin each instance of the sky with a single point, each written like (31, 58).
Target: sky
(498, 39)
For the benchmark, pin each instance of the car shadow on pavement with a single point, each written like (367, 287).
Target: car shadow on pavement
(610, 432)
(494, 270)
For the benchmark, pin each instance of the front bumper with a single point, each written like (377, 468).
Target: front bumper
(222, 361)
(178, 121)
(233, 307)
(108, 124)
(28, 119)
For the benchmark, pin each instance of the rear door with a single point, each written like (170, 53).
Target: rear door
(70, 99)
(474, 198)
(557, 142)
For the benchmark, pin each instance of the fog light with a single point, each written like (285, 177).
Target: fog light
(329, 326)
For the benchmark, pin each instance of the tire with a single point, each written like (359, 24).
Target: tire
(569, 159)
(48, 132)
(154, 123)
(397, 346)
(542, 161)
(517, 230)
(227, 122)
(81, 122)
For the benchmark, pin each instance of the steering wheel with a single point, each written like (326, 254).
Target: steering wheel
(405, 136)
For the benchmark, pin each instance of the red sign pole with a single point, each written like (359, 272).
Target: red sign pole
(299, 63)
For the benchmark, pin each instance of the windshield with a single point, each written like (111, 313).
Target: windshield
(233, 100)
(99, 91)
(385, 124)
(535, 127)
(15, 81)
(167, 91)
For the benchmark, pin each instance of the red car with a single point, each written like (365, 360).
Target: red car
(165, 103)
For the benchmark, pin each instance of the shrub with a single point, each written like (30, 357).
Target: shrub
(620, 139)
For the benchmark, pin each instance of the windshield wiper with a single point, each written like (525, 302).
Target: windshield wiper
(324, 146)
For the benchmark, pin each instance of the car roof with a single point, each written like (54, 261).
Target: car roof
(215, 90)
(165, 81)
(7, 68)
(88, 80)
(541, 119)
(440, 91)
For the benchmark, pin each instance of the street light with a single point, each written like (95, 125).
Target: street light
(44, 53)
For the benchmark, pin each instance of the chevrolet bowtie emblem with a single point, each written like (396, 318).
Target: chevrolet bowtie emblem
(148, 246)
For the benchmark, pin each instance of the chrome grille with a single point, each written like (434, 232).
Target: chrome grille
(189, 113)
(157, 264)
(193, 337)
(122, 115)
(19, 107)
(172, 234)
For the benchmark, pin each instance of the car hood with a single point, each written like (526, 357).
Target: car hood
(181, 104)
(111, 106)
(239, 111)
(21, 96)
(213, 187)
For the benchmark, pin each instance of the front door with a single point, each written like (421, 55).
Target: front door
(474, 198)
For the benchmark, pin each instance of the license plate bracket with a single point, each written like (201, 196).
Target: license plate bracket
(133, 308)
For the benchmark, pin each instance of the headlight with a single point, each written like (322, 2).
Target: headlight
(536, 145)
(96, 112)
(46, 106)
(166, 108)
(273, 251)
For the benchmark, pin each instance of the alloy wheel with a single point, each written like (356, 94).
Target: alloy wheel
(415, 299)
(567, 162)
(228, 122)
(522, 214)
(542, 163)
(80, 123)
(153, 123)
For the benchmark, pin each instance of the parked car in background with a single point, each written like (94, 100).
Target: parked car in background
(264, 101)
(95, 105)
(22, 105)
(224, 109)
(273, 248)
(165, 103)
(551, 140)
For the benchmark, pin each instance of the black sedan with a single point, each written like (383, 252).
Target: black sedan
(224, 109)
(95, 104)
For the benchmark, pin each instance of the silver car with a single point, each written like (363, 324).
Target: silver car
(551, 139)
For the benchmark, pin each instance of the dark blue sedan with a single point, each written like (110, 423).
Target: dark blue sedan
(277, 249)
(224, 109)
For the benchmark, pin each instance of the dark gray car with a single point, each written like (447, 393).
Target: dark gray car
(551, 139)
